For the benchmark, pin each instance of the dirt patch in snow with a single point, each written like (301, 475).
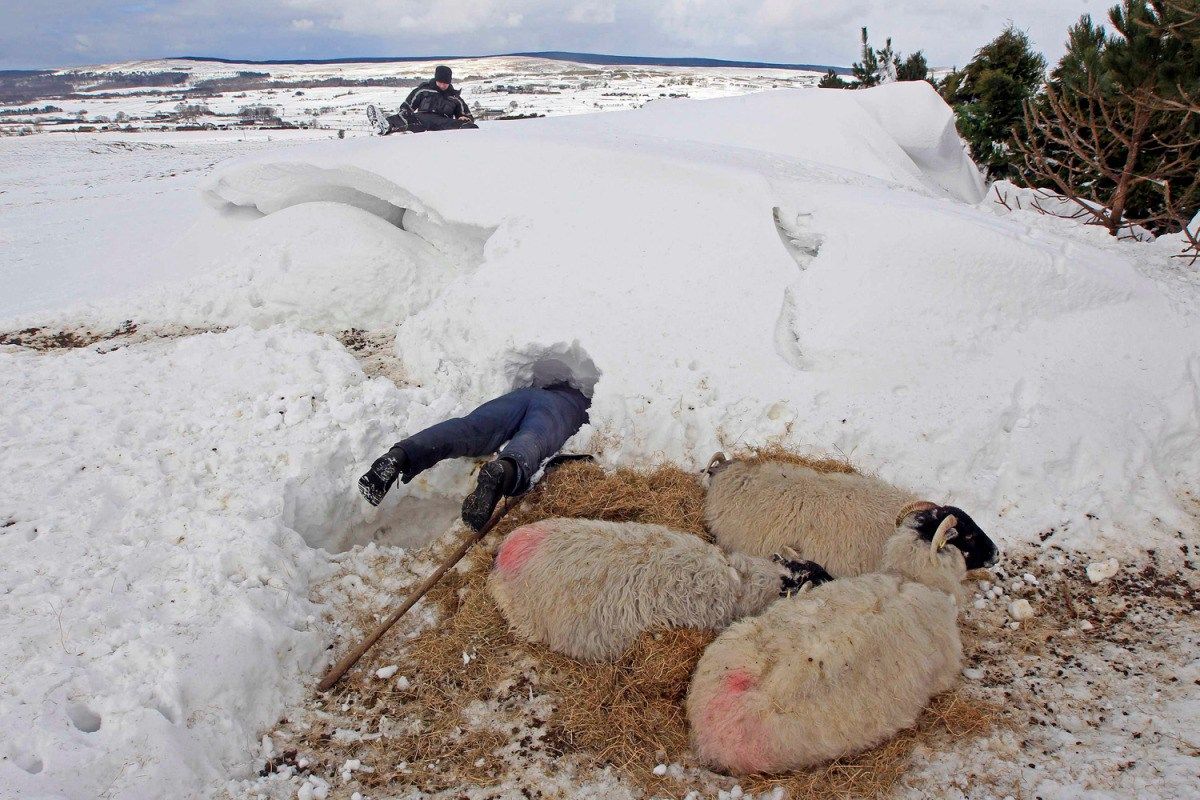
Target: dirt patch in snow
(47, 339)
(376, 353)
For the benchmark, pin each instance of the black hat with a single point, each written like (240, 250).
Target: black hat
(442, 73)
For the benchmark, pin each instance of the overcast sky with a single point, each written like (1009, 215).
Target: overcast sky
(52, 33)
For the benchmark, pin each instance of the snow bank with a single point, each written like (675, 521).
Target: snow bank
(923, 126)
(795, 266)
(158, 506)
(286, 268)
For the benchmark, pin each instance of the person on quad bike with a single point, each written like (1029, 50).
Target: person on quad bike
(535, 422)
(433, 106)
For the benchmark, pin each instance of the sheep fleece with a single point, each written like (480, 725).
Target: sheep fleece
(838, 520)
(587, 588)
(823, 674)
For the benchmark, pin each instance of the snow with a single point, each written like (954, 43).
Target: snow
(974, 358)
(155, 565)
(1100, 571)
(495, 86)
(816, 268)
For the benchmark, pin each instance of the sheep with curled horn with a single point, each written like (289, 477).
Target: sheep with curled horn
(840, 667)
(587, 588)
(839, 520)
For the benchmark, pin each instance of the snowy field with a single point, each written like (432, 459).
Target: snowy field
(262, 313)
(301, 95)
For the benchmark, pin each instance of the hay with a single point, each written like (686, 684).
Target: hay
(515, 703)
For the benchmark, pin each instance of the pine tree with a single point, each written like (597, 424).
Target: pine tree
(885, 66)
(950, 85)
(832, 80)
(866, 72)
(988, 98)
(914, 68)
(889, 62)
(1117, 130)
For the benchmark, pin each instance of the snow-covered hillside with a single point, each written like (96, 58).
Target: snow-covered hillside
(335, 96)
(817, 268)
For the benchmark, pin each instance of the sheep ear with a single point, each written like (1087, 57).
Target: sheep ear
(790, 554)
(945, 532)
(912, 508)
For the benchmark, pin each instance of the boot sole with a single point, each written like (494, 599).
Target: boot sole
(478, 506)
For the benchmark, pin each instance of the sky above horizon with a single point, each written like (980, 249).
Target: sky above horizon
(60, 33)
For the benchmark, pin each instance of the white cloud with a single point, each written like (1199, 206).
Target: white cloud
(593, 12)
(427, 18)
(53, 32)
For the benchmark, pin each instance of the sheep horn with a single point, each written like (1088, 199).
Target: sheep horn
(918, 505)
(718, 460)
(943, 532)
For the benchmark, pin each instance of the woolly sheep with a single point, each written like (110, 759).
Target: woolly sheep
(841, 521)
(839, 668)
(587, 588)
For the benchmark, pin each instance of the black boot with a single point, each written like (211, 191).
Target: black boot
(383, 473)
(496, 479)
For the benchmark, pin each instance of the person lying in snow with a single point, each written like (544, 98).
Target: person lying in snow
(433, 106)
(534, 422)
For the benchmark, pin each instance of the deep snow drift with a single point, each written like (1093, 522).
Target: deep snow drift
(744, 269)
(819, 268)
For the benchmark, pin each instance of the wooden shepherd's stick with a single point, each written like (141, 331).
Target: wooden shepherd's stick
(350, 659)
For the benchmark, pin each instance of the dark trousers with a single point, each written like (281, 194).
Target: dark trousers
(534, 422)
(418, 123)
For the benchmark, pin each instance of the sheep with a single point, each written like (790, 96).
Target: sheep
(587, 588)
(838, 520)
(840, 667)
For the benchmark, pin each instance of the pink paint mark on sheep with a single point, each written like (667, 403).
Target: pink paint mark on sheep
(730, 733)
(738, 680)
(518, 548)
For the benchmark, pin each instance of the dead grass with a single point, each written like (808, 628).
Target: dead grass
(480, 703)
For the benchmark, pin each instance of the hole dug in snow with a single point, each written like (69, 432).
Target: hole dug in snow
(546, 365)
(84, 718)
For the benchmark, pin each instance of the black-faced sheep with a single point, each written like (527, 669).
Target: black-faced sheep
(587, 588)
(840, 668)
(841, 521)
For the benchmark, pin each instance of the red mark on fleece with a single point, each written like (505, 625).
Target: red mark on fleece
(738, 680)
(730, 733)
(518, 547)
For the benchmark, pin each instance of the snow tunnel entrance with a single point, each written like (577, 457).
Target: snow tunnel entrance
(545, 365)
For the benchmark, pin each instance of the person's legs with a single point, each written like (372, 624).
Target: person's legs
(397, 123)
(554, 415)
(479, 433)
(436, 122)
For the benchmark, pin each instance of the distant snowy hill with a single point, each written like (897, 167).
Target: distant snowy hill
(166, 94)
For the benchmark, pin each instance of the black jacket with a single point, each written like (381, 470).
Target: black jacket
(429, 99)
